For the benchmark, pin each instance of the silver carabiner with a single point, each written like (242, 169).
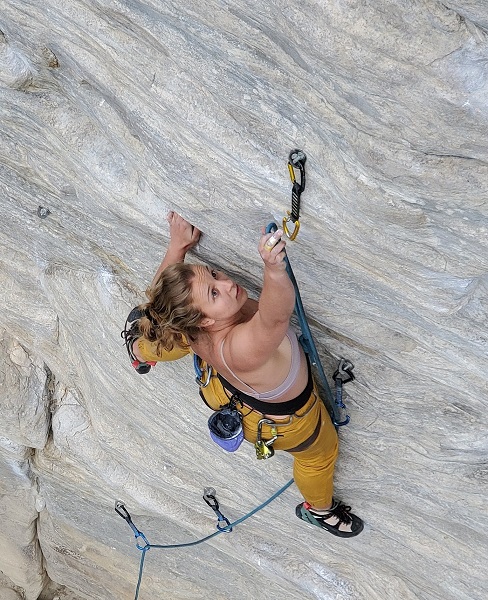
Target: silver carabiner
(199, 372)
(201, 382)
(344, 371)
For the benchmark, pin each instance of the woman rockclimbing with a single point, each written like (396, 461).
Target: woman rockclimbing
(258, 368)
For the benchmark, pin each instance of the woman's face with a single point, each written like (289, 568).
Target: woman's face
(217, 296)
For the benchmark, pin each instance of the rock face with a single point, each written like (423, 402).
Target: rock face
(112, 113)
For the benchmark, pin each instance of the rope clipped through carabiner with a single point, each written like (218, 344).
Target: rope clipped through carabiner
(296, 161)
(211, 500)
(209, 495)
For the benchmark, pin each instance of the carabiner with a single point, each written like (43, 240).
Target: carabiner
(199, 372)
(264, 449)
(201, 382)
(342, 375)
(225, 528)
(291, 236)
(211, 500)
(124, 513)
(342, 423)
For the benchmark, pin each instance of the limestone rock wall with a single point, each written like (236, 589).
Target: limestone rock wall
(111, 114)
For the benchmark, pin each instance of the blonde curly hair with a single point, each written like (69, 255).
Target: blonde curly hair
(171, 319)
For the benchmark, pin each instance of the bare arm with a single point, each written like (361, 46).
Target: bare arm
(277, 298)
(252, 344)
(183, 236)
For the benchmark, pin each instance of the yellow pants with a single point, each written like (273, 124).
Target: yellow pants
(308, 435)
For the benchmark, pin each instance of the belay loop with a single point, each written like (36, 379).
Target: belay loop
(296, 161)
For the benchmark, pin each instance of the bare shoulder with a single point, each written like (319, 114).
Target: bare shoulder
(250, 345)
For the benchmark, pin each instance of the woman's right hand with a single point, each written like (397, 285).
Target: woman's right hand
(272, 249)
(183, 235)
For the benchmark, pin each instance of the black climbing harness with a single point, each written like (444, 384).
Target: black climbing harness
(296, 162)
(223, 526)
(129, 334)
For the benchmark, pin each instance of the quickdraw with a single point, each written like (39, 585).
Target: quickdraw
(223, 526)
(211, 500)
(342, 375)
(202, 381)
(296, 161)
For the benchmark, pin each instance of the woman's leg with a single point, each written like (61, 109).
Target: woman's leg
(312, 440)
(313, 468)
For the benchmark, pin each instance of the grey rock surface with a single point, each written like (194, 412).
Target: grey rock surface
(111, 114)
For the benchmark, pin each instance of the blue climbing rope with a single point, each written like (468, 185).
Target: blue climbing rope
(308, 344)
(122, 511)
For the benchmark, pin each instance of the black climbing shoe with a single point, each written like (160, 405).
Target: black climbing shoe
(338, 510)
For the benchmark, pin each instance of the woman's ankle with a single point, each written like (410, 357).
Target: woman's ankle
(320, 508)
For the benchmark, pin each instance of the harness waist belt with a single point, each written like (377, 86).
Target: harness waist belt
(273, 408)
